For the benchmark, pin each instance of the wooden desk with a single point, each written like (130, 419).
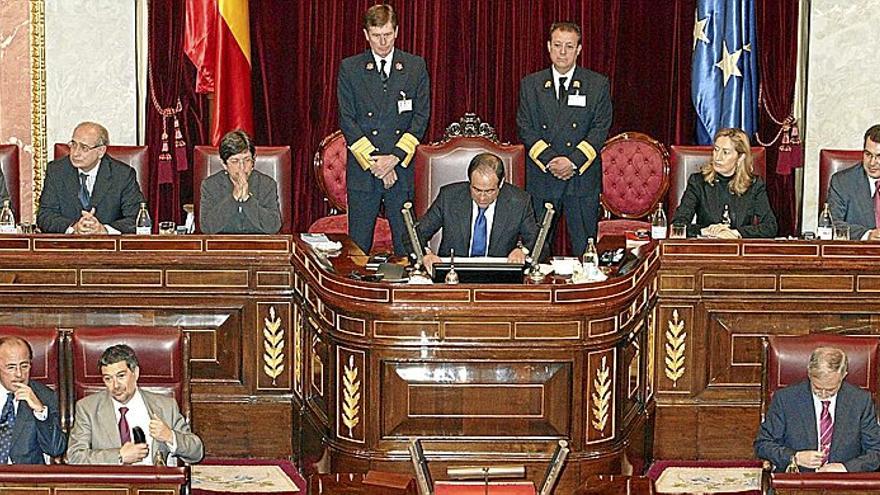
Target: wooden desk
(605, 484)
(826, 483)
(717, 300)
(351, 484)
(484, 374)
(231, 294)
(88, 480)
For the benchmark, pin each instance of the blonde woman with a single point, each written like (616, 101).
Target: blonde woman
(727, 180)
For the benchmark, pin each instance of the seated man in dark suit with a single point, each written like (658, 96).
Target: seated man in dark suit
(103, 431)
(87, 191)
(822, 424)
(30, 424)
(853, 196)
(482, 217)
(239, 199)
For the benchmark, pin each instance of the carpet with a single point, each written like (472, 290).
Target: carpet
(246, 477)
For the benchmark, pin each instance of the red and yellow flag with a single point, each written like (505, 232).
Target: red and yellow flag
(218, 42)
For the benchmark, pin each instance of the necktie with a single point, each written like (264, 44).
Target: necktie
(124, 432)
(382, 74)
(561, 96)
(877, 204)
(7, 421)
(84, 196)
(478, 246)
(826, 429)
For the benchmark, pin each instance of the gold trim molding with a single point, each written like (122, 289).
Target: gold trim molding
(38, 95)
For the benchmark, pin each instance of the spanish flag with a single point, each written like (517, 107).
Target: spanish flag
(218, 42)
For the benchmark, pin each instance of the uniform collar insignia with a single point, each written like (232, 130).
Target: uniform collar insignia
(398, 66)
(370, 66)
(548, 84)
(576, 84)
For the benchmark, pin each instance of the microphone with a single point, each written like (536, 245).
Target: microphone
(138, 435)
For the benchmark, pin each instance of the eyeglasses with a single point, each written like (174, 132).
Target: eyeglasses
(77, 146)
(23, 367)
(240, 161)
(871, 157)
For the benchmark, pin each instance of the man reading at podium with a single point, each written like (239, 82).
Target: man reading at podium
(481, 217)
(806, 430)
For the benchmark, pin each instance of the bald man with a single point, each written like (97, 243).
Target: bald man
(87, 191)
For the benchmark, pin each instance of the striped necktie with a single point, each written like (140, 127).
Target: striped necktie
(826, 429)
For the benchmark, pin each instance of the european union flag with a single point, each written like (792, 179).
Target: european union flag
(724, 76)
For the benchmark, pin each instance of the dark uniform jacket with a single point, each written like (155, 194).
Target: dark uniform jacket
(548, 129)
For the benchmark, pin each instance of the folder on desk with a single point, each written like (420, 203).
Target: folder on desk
(479, 488)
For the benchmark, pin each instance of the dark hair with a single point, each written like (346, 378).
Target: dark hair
(487, 162)
(565, 26)
(234, 142)
(12, 339)
(873, 134)
(117, 353)
(379, 15)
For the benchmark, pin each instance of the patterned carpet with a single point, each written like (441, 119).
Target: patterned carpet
(246, 477)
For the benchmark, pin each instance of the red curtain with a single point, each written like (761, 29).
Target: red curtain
(172, 77)
(777, 49)
(477, 52)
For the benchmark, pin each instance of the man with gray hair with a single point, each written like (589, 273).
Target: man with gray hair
(87, 191)
(805, 430)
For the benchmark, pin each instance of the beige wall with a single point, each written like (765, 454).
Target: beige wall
(90, 74)
(843, 84)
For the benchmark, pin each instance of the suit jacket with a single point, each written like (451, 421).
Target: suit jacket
(790, 426)
(750, 214)
(850, 200)
(452, 211)
(116, 196)
(32, 438)
(368, 114)
(94, 438)
(220, 213)
(548, 129)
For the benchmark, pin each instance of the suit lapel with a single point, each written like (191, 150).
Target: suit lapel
(106, 420)
(371, 80)
(70, 183)
(465, 211)
(23, 418)
(548, 101)
(864, 193)
(807, 415)
(502, 218)
(844, 421)
(102, 182)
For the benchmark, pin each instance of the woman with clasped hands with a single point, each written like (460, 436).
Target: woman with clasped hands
(727, 180)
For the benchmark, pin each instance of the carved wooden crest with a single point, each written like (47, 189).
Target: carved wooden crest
(470, 126)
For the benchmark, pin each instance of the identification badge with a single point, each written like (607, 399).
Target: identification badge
(577, 100)
(404, 105)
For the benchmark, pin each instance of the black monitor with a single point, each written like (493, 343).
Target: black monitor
(489, 272)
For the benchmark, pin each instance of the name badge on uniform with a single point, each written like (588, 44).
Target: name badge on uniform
(577, 100)
(404, 104)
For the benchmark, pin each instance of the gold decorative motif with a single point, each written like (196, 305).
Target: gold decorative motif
(649, 356)
(351, 396)
(38, 95)
(297, 351)
(602, 395)
(576, 84)
(548, 84)
(675, 347)
(273, 343)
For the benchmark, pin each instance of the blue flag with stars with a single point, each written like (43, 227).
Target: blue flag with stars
(724, 76)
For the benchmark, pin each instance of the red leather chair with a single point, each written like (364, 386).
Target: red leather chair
(273, 161)
(330, 168)
(635, 177)
(444, 162)
(831, 162)
(162, 352)
(138, 157)
(786, 359)
(9, 163)
(685, 160)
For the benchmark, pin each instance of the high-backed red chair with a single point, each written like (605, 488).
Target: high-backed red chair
(330, 168)
(444, 162)
(831, 162)
(635, 177)
(786, 359)
(273, 161)
(162, 352)
(9, 163)
(685, 160)
(135, 156)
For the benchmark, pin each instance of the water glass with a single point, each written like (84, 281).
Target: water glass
(166, 228)
(678, 231)
(841, 232)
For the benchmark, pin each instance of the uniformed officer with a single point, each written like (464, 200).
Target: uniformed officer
(563, 119)
(384, 105)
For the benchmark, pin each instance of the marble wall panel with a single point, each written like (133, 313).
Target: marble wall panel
(842, 84)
